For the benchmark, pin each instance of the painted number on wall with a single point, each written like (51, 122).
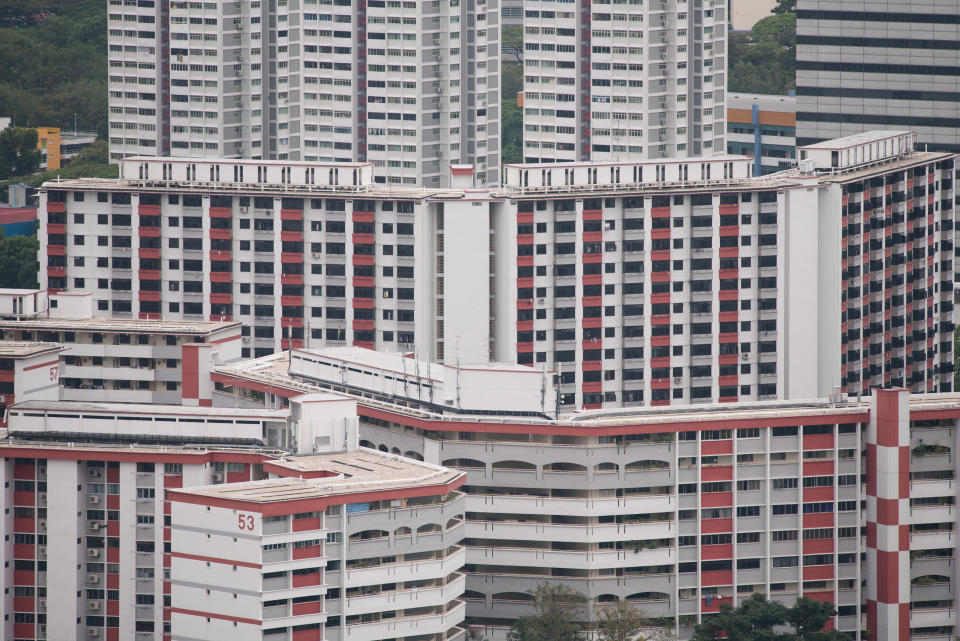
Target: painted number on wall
(53, 372)
(245, 521)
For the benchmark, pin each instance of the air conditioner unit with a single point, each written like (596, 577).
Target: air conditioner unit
(677, 380)
(42, 550)
(94, 499)
(93, 553)
(43, 497)
(94, 525)
(93, 604)
(744, 357)
(246, 339)
(218, 478)
(93, 632)
(315, 254)
(93, 473)
(93, 579)
(244, 210)
(42, 628)
(42, 524)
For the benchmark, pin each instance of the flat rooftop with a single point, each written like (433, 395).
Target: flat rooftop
(132, 326)
(273, 370)
(856, 140)
(119, 409)
(361, 471)
(21, 349)
(392, 362)
(19, 292)
(766, 102)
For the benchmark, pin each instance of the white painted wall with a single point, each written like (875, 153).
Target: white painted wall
(63, 552)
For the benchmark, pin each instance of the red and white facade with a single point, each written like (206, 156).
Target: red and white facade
(679, 512)
(28, 371)
(126, 360)
(88, 526)
(670, 282)
(349, 546)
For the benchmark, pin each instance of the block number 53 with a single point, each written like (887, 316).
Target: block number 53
(245, 521)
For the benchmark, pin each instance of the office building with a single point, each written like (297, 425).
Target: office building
(763, 127)
(60, 147)
(409, 87)
(117, 530)
(677, 512)
(863, 66)
(678, 282)
(623, 81)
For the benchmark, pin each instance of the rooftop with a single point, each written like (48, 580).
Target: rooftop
(766, 102)
(361, 471)
(132, 326)
(19, 349)
(151, 409)
(855, 140)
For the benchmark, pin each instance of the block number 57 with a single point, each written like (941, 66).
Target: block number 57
(245, 521)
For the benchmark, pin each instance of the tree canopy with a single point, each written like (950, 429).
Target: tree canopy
(18, 152)
(755, 619)
(764, 60)
(54, 60)
(19, 268)
(559, 611)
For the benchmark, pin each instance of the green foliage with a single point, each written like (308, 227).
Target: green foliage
(18, 152)
(764, 60)
(755, 619)
(511, 131)
(511, 79)
(785, 6)
(19, 268)
(621, 621)
(54, 66)
(512, 37)
(559, 610)
(91, 162)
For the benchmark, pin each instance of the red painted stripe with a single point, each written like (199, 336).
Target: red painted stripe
(214, 559)
(214, 615)
(47, 364)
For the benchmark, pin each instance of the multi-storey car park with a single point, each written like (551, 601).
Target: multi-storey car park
(647, 282)
(611, 81)
(408, 86)
(676, 510)
(110, 533)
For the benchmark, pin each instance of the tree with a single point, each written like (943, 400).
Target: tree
(19, 267)
(620, 621)
(785, 6)
(511, 132)
(559, 609)
(764, 60)
(756, 618)
(18, 152)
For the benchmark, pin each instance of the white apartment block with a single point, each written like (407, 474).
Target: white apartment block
(646, 282)
(91, 529)
(408, 86)
(621, 80)
(677, 512)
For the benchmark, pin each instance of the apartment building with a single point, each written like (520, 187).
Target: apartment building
(108, 530)
(358, 545)
(654, 282)
(316, 82)
(861, 66)
(676, 511)
(122, 360)
(621, 81)
(763, 127)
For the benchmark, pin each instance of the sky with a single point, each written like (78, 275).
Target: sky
(746, 12)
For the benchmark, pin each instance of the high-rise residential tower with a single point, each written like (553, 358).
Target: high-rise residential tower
(408, 86)
(867, 65)
(623, 79)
